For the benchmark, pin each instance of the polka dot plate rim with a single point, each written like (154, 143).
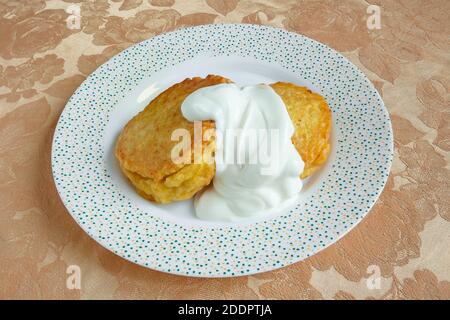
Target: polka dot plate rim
(347, 190)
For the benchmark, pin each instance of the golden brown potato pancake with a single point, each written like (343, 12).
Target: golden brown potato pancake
(311, 117)
(144, 147)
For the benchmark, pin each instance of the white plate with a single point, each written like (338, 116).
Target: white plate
(169, 237)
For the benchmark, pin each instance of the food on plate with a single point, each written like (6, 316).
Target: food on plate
(143, 149)
(301, 118)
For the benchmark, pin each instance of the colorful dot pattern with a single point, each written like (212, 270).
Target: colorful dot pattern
(364, 153)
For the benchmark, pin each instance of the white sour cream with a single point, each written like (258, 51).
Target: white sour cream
(246, 189)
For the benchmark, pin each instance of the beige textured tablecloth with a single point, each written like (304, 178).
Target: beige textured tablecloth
(405, 237)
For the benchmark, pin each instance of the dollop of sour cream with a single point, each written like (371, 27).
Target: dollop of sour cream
(246, 188)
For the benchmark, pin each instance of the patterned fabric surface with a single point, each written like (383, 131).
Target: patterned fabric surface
(399, 251)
